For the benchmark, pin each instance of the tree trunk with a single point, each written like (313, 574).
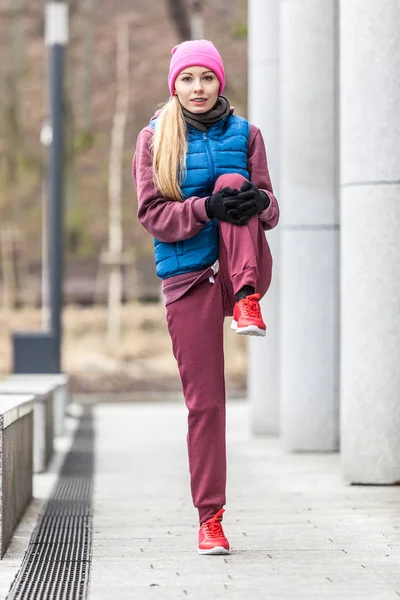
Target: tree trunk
(12, 105)
(115, 181)
(179, 15)
(197, 20)
(8, 268)
(87, 34)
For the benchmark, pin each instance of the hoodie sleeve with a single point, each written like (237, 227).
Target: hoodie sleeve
(257, 167)
(166, 220)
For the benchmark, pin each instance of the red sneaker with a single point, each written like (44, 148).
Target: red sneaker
(212, 539)
(247, 318)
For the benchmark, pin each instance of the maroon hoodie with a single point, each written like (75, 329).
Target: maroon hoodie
(171, 221)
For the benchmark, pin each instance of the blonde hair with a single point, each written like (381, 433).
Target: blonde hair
(169, 148)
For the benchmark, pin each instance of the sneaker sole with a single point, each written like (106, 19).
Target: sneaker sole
(216, 550)
(250, 330)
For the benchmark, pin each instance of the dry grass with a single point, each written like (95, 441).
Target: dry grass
(141, 360)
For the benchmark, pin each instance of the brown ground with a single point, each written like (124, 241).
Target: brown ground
(141, 361)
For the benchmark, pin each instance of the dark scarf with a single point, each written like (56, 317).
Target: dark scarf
(202, 121)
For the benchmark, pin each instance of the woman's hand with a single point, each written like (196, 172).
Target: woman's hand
(237, 206)
(230, 207)
(249, 191)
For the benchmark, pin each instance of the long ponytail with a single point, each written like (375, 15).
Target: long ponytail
(169, 150)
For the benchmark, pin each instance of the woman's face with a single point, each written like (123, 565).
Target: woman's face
(197, 89)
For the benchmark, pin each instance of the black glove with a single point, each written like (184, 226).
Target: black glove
(261, 198)
(241, 205)
(220, 207)
(249, 191)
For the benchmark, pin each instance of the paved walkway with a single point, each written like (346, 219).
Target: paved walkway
(296, 530)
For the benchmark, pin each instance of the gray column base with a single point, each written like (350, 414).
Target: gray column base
(310, 330)
(370, 308)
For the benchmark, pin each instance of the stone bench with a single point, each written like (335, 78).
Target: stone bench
(62, 394)
(16, 461)
(43, 393)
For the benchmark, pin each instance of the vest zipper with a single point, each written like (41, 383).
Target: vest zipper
(210, 158)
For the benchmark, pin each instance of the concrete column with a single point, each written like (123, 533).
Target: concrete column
(263, 372)
(309, 226)
(370, 241)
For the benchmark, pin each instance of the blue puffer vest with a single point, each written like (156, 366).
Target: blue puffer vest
(222, 149)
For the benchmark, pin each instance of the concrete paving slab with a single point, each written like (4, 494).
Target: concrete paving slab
(297, 531)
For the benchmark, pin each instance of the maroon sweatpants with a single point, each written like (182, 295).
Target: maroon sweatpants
(195, 324)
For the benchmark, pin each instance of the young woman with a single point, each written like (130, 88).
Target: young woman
(205, 195)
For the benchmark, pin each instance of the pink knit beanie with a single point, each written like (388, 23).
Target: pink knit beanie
(195, 53)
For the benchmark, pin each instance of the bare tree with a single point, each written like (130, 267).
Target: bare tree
(10, 96)
(86, 68)
(197, 20)
(7, 235)
(179, 14)
(11, 127)
(114, 256)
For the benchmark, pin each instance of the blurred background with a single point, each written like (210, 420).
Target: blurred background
(321, 79)
(296, 69)
(105, 77)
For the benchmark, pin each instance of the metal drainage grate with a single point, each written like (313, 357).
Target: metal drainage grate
(57, 563)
